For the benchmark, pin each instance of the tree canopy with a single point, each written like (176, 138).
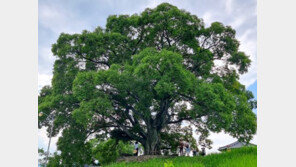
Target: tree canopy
(142, 77)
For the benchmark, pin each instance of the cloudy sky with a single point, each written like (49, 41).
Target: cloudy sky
(73, 16)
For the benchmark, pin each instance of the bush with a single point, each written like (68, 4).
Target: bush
(54, 161)
(108, 151)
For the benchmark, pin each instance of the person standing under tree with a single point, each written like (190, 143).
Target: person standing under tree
(203, 152)
(194, 153)
(187, 150)
(136, 150)
(181, 148)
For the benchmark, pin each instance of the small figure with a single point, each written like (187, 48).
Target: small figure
(203, 152)
(95, 162)
(194, 152)
(187, 150)
(181, 148)
(136, 149)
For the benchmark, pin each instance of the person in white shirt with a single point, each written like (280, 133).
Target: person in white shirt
(187, 150)
(136, 149)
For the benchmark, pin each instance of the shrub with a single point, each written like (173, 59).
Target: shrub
(108, 151)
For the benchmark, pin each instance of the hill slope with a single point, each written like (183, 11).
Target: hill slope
(242, 157)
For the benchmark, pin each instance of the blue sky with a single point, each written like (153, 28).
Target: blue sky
(73, 16)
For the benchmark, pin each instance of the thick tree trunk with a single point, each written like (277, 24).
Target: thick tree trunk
(151, 145)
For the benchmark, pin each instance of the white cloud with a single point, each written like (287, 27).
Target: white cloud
(250, 77)
(228, 6)
(219, 139)
(43, 79)
(249, 46)
(153, 3)
(58, 19)
(208, 18)
(43, 140)
(222, 139)
(238, 21)
(46, 54)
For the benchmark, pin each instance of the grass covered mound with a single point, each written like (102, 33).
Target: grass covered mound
(241, 157)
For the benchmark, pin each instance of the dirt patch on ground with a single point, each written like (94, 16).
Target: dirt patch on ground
(140, 158)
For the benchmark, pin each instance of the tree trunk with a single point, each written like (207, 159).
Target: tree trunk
(151, 145)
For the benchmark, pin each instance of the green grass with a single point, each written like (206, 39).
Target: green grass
(242, 157)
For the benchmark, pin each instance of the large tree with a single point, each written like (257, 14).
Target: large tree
(144, 75)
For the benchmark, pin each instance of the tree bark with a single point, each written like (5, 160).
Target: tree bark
(151, 145)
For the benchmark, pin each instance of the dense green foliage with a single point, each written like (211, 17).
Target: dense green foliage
(108, 151)
(141, 77)
(104, 151)
(55, 160)
(242, 157)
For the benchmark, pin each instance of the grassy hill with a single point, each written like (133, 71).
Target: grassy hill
(242, 157)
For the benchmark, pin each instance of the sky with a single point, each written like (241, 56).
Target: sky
(73, 16)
